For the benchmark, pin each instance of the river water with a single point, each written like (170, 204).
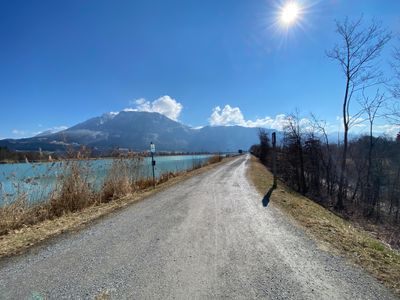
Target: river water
(38, 180)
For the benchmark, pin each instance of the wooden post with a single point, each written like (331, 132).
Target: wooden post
(274, 158)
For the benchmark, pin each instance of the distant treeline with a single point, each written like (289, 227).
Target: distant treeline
(11, 156)
(7, 156)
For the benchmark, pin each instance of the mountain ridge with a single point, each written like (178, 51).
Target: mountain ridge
(135, 130)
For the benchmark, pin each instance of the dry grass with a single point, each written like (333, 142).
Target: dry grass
(215, 159)
(11, 216)
(75, 191)
(74, 194)
(120, 179)
(331, 231)
(22, 226)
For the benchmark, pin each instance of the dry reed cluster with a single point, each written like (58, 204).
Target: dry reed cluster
(75, 191)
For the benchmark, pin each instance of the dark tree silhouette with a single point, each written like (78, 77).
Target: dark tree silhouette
(357, 54)
(265, 147)
(294, 139)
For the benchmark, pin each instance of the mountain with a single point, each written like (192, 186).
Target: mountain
(135, 130)
(225, 138)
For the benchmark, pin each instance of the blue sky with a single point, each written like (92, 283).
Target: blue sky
(62, 62)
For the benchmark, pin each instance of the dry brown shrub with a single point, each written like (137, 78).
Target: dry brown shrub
(142, 184)
(215, 159)
(121, 178)
(166, 176)
(75, 190)
(12, 215)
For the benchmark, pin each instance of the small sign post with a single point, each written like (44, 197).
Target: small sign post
(153, 162)
(274, 158)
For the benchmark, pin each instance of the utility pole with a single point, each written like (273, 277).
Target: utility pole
(153, 162)
(274, 158)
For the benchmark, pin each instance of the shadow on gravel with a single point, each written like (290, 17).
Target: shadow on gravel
(265, 200)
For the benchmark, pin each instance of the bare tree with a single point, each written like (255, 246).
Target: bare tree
(396, 69)
(319, 126)
(394, 112)
(265, 146)
(294, 137)
(357, 54)
(371, 107)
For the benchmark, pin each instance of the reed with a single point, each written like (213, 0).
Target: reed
(215, 159)
(75, 190)
(121, 179)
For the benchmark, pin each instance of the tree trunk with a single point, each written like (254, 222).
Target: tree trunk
(340, 201)
(302, 176)
(369, 185)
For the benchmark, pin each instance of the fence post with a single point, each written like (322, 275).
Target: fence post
(274, 159)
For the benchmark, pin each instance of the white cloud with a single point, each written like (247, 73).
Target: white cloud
(137, 101)
(229, 116)
(226, 116)
(233, 116)
(360, 125)
(357, 122)
(164, 105)
(278, 122)
(389, 129)
(50, 130)
(57, 128)
(130, 109)
(17, 133)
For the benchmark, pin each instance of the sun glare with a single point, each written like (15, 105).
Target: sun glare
(290, 13)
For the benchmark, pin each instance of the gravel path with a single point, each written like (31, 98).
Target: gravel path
(208, 237)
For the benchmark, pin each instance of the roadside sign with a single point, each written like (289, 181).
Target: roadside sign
(153, 162)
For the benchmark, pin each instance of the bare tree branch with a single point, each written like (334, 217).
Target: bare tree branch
(357, 54)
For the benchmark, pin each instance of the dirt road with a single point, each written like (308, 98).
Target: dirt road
(208, 237)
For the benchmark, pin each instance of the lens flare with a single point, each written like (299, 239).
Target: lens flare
(289, 13)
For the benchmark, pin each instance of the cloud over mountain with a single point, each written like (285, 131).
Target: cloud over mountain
(229, 116)
(164, 105)
(226, 116)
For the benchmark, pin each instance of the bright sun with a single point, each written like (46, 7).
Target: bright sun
(290, 13)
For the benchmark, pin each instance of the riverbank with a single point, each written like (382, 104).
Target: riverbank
(19, 240)
(331, 232)
(143, 154)
(38, 182)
